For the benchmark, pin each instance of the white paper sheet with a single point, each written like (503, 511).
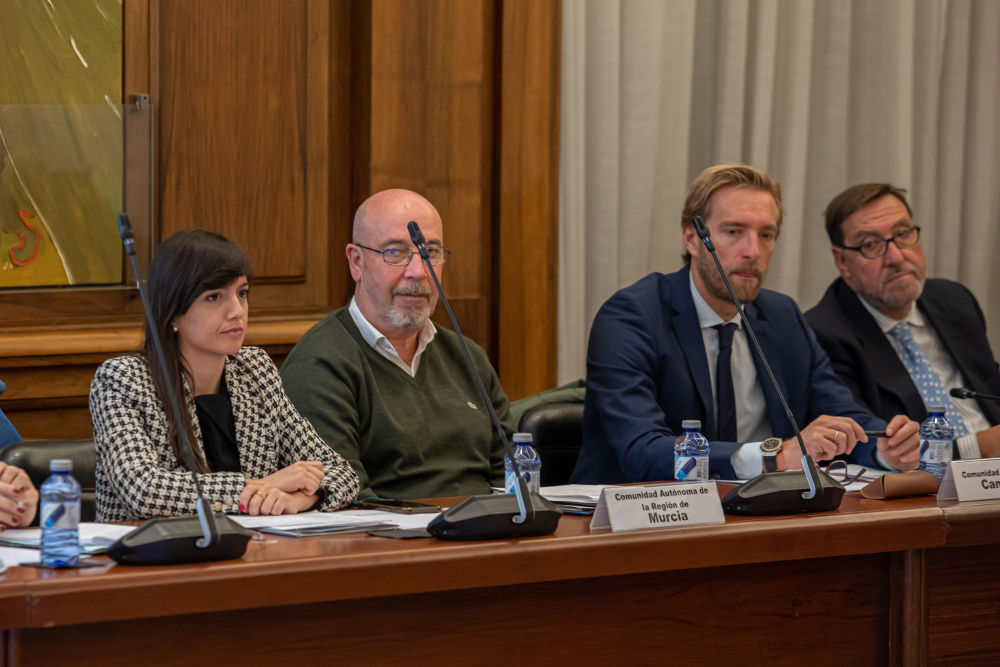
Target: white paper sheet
(91, 535)
(336, 519)
(575, 493)
(9, 557)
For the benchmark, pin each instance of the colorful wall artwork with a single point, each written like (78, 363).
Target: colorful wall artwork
(60, 142)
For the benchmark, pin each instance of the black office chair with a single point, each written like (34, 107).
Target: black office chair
(33, 457)
(557, 433)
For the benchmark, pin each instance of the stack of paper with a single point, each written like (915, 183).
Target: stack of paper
(573, 498)
(332, 523)
(95, 538)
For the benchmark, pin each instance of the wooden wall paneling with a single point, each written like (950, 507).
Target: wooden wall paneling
(244, 136)
(233, 115)
(908, 608)
(349, 101)
(963, 594)
(431, 132)
(529, 195)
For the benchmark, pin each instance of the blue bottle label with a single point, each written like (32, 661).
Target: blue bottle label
(60, 516)
(532, 478)
(935, 451)
(690, 467)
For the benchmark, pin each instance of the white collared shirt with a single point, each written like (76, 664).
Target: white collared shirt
(752, 425)
(943, 364)
(381, 344)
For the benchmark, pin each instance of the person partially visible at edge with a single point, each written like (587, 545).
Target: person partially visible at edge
(673, 347)
(18, 496)
(385, 387)
(253, 451)
(8, 434)
(901, 340)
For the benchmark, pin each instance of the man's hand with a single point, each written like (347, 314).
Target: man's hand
(901, 449)
(825, 438)
(301, 476)
(989, 442)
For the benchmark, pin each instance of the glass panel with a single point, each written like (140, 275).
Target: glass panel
(63, 148)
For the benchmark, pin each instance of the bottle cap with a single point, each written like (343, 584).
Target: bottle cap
(691, 423)
(937, 408)
(60, 465)
(522, 437)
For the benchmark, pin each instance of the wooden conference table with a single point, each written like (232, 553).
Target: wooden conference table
(875, 583)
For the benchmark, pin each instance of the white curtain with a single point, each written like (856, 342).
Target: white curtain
(821, 94)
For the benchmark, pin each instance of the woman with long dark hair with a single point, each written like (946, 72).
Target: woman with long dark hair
(253, 451)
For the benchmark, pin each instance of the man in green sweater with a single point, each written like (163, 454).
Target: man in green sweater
(386, 388)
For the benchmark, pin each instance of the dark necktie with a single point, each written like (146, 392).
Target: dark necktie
(724, 384)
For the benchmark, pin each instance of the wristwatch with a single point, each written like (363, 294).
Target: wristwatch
(769, 450)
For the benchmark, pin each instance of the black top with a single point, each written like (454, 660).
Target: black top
(218, 430)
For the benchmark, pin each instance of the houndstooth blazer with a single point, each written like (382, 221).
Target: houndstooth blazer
(139, 477)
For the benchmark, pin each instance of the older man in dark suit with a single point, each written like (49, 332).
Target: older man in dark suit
(899, 340)
(672, 347)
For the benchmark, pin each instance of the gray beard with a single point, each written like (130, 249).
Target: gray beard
(408, 319)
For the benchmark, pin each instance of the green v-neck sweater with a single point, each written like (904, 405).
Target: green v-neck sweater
(427, 436)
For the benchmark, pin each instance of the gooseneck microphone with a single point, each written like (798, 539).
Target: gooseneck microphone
(495, 516)
(960, 392)
(788, 492)
(186, 539)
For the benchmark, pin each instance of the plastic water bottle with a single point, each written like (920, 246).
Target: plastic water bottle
(528, 460)
(60, 518)
(691, 454)
(936, 434)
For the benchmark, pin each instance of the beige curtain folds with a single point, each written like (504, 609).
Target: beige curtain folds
(822, 94)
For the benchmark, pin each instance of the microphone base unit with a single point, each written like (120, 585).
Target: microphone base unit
(168, 541)
(492, 518)
(774, 493)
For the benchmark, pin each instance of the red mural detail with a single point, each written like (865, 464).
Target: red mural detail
(24, 215)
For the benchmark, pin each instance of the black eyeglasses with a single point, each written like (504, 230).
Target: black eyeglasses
(400, 256)
(875, 248)
(832, 469)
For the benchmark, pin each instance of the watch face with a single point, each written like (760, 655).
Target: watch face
(770, 445)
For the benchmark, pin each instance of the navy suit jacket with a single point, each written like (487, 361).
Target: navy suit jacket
(8, 434)
(647, 371)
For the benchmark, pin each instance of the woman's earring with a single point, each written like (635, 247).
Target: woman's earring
(175, 328)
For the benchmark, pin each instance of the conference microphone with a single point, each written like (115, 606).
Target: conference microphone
(791, 491)
(498, 516)
(183, 539)
(961, 392)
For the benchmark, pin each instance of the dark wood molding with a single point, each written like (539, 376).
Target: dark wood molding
(529, 195)
(908, 608)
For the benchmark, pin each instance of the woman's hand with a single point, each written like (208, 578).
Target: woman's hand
(266, 500)
(301, 476)
(18, 497)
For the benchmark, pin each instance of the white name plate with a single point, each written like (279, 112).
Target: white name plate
(964, 481)
(658, 506)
